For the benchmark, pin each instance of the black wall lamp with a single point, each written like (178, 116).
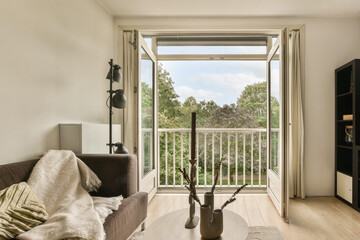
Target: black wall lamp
(116, 99)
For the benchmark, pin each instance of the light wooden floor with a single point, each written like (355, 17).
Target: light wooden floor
(312, 218)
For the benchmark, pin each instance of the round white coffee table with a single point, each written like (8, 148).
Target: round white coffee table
(171, 226)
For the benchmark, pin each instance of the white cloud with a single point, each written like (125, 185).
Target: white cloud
(199, 94)
(228, 84)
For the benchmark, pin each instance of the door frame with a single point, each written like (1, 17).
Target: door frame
(153, 32)
(277, 183)
(149, 182)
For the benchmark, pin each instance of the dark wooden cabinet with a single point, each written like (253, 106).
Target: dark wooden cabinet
(347, 133)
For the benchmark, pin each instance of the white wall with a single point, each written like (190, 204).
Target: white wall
(53, 62)
(329, 43)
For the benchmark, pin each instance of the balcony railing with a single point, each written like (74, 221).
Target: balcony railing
(243, 151)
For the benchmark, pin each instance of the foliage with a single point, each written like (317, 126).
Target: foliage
(230, 116)
(146, 105)
(253, 98)
(169, 104)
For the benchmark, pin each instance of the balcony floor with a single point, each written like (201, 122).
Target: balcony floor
(312, 218)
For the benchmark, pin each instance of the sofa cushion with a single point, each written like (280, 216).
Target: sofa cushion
(14, 173)
(131, 213)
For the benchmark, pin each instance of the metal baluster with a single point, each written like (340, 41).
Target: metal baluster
(197, 158)
(174, 158)
(158, 160)
(236, 158)
(244, 156)
(189, 152)
(166, 159)
(220, 158)
(228, 143)
(182, 156)
(205, 134)
(213, 156)
(252, 158)
(259, 159)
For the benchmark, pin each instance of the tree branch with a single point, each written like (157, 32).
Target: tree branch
(232, 198)
(217, 170)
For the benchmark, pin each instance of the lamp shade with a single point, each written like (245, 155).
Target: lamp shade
(108, 76)
(116, 73)
(119, 99)
(121, 149)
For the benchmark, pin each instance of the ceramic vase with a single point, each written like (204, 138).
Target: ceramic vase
(211, 221)
(209, 200)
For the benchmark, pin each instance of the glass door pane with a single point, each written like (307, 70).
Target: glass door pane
(147, 113)
(147, 119)
(275, 112)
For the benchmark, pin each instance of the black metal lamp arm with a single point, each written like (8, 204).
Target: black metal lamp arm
(119, 101)
(115, 91)
(110, 107)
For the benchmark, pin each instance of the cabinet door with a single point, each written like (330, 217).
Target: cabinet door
(344, 186)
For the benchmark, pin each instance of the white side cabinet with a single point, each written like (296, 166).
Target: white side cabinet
(87, 137)
(344, 186)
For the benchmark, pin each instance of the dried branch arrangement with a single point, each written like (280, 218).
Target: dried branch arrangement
(192, 190)
(232, 198)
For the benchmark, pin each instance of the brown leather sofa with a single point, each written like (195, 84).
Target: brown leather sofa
(118, 174)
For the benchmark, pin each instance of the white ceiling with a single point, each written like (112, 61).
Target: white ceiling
(232, 8)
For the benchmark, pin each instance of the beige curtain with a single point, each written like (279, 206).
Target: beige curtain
(130, 122)
(296, 130)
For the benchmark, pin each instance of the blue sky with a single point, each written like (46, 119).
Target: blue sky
(221, 81)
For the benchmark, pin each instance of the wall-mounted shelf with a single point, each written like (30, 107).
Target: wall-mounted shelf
(347, 147)
(344, 120)
(344, 94)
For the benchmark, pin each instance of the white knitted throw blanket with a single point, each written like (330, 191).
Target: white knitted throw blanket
(62, 182)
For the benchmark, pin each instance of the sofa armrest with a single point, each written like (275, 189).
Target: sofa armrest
(118, 173)
(131, 213)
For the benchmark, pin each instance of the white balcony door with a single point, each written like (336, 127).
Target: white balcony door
(147, 117)
(275, 124)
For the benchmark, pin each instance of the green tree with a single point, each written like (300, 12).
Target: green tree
(275, 113)
(253, 98)
(169, 104)
(189, 105)
(230, 116)
(146, 105)
(203, 110)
